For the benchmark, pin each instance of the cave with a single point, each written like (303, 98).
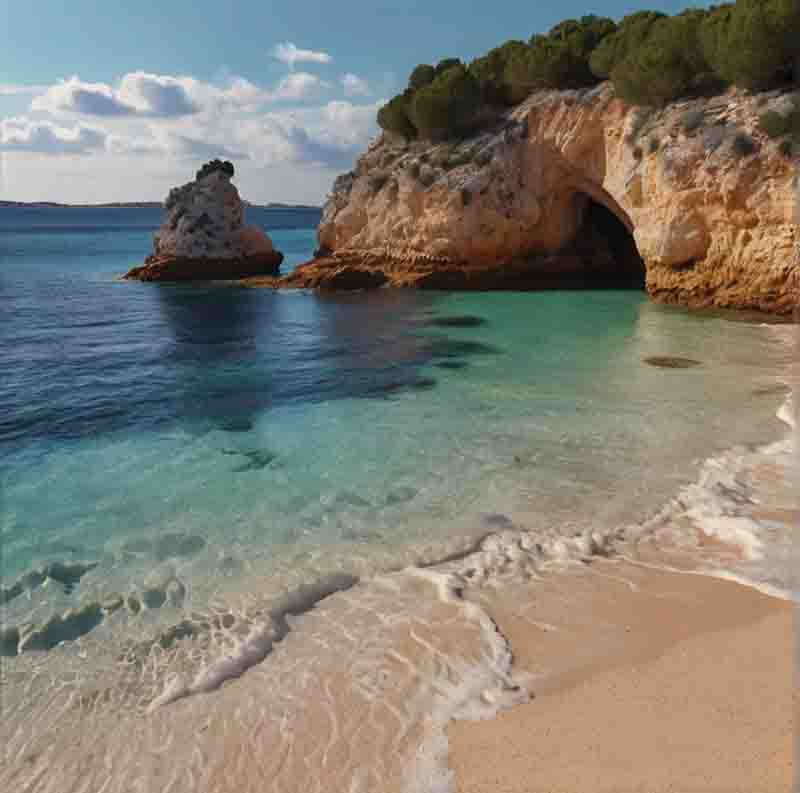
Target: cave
(603, 248)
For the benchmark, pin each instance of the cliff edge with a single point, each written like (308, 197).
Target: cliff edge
(576, 188)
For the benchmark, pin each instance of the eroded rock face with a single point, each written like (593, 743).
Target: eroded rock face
(204, 236)
(712, 224)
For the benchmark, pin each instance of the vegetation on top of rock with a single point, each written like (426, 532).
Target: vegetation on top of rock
(651, 58)
(216, 165)
(753, 43)
(449, 105)
(779, 125)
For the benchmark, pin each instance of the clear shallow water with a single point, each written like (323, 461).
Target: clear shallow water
(247, 419)
(240, 444)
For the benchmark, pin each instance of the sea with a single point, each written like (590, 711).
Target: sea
(237, 525)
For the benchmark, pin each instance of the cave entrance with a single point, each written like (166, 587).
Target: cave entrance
(605, 247)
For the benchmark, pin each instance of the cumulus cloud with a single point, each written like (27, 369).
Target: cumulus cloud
(349, 122)
(354, 85)
(42, 137)
(158, 95)
(188, 147)
(289, 54)
(9, 89)
(298, 85)
(139, 93)
(329, 136)
(133, 147)
(75, 96)
(275, 140)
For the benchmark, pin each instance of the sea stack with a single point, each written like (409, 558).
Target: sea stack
(204, 236)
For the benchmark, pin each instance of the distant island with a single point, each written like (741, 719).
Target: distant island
(142, 205)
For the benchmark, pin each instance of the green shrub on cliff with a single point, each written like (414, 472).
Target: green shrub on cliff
(446, 64)
(779, 125)
(545, 64)
(489, 71)
(423, 75)
(583, 36)
(394, 115)
(755, 43)
(558, 60)
(668, 64)
(651, 59)
(216, 165)
(614, 48)
(448, 106)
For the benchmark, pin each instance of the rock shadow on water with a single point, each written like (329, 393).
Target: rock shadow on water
(497, 521)
(174, 544)
(391, 387)
(459, 348)
(255, 459)
(459, 321)
(671, 362)
(236, 424)
(347, 498)
(400, 495)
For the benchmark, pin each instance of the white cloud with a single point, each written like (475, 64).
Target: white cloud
(329, 136)
(75, 96)
(349, 122)
(42, 137)
(188, 147)
(151, 96)
(354, 85)
(163, 127)
(289, 54)
(139, 93)
(131, 146)
(8, 89)
(276, 139)
(158, 95)
(298, 85)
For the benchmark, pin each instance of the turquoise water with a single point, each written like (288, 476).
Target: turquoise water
(246, 421)
(204, 451)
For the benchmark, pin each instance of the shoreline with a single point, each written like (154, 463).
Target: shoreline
(651, 696)
(471, 673)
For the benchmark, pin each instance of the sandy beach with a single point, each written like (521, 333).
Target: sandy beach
(644, 680)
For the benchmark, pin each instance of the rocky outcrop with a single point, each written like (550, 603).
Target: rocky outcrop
(575, 188)
(204, 235)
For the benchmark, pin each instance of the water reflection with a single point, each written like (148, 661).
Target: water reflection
(235, 352)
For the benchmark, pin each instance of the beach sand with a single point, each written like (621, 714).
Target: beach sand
(644, 680)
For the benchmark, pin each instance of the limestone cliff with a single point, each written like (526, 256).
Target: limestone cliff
(204, 235)
(558, 191)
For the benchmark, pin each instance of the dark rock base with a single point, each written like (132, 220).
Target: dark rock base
(181, 268)
(356, 272)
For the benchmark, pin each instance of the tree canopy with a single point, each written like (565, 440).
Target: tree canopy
(650, 57)
(216, 165)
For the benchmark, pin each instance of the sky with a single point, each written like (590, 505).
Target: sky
(120, 101)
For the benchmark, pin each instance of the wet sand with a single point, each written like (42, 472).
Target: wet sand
(644, 681)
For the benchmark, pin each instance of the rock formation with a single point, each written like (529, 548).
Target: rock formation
(204, 235)
(575, 188)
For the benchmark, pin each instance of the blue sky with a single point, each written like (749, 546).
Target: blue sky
(105, 103)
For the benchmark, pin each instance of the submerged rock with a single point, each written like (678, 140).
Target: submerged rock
(671, 362)
(66, 627)
(204, 235)
(68, 574)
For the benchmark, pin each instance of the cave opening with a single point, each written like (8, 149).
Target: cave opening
(605, 248)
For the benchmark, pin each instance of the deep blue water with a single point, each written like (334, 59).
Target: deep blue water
(258, 422)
